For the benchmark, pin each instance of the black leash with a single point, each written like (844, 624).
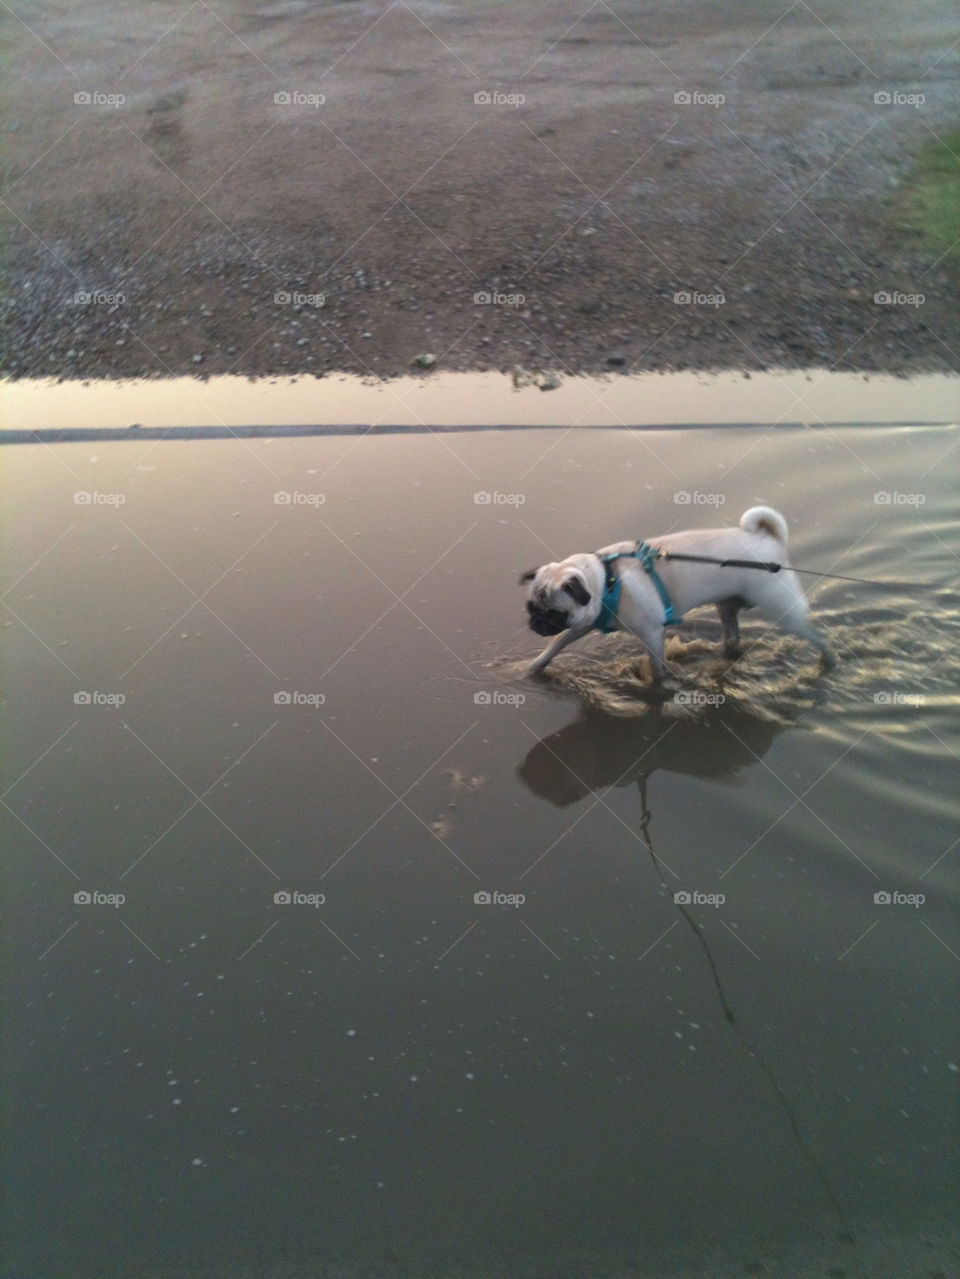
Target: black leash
(770, 566)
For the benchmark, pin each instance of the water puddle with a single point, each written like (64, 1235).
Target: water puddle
(418, 959)
(445, 401)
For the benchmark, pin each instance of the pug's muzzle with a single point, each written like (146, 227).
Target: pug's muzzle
(547, 621)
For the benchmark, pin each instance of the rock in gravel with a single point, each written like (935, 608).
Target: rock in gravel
(425, 361)
(547, 381)
(616, 358)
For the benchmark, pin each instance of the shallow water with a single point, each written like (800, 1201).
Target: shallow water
(442, 401)
(600, 1076)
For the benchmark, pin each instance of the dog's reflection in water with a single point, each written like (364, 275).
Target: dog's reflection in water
(598, 750)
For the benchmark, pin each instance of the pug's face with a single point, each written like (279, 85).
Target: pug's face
(558, 597)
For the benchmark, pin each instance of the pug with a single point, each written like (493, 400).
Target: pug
(612, 590)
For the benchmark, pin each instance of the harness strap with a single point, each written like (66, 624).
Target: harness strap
(647, 555)
(610, 602)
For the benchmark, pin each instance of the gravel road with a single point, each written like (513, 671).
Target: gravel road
(302, 186)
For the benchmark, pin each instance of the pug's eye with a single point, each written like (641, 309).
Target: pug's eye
(577, 591)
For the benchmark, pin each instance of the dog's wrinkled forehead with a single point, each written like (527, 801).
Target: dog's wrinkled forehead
(548, 579)
(543, 584)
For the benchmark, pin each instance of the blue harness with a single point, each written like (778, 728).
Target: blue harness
(610, 601)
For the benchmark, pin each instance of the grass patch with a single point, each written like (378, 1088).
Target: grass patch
(929, 202)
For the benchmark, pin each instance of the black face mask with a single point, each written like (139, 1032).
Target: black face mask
(547, 621)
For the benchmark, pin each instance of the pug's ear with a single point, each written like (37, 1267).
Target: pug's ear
(577, 590)
(528, 576)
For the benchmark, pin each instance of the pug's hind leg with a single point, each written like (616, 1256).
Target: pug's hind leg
(728, 610)
(827, 659)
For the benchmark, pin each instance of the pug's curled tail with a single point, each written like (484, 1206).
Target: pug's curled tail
(763, 519)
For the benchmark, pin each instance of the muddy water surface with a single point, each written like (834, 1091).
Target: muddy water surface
(398, 961)
(445, 401)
